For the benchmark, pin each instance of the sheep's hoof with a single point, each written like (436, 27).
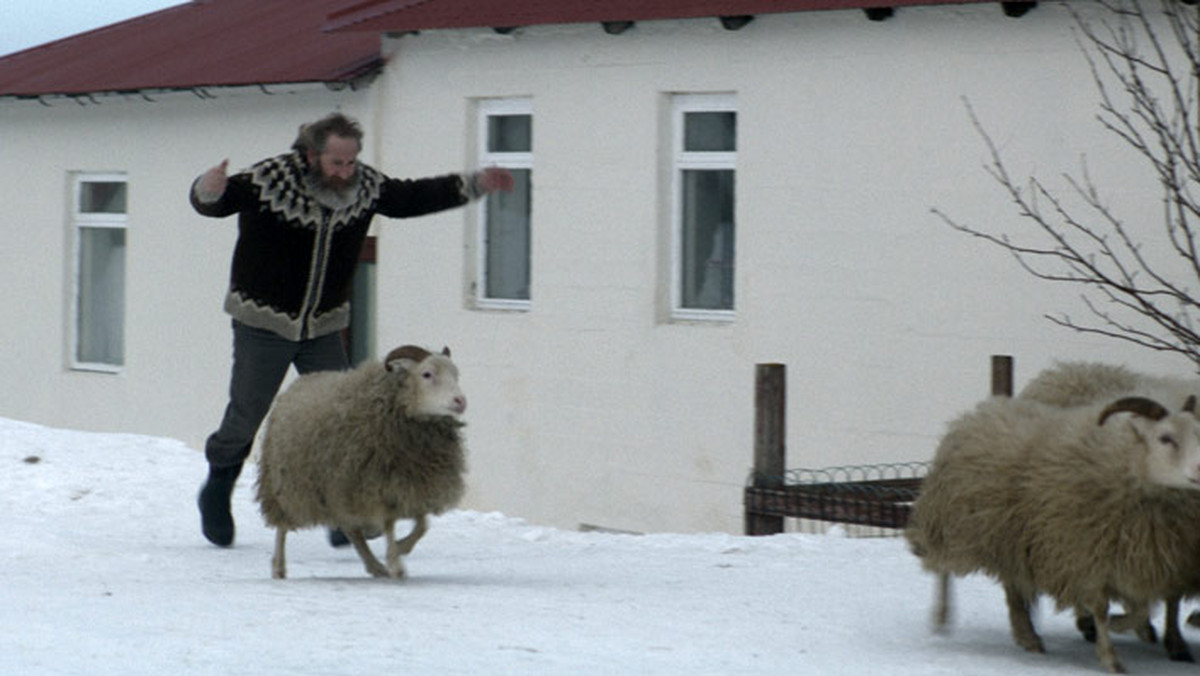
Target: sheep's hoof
(1178, 651)
(1032, 644)
(1182, 656)
(376, 569)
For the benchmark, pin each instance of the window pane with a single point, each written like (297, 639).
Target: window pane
(507, 240)
(102, 198)
(707, 238)
(710, 132)
(101, 330)
(510, 133)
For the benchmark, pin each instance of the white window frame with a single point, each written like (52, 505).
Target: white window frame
(487, 108)
(81, 220)
(681, 161)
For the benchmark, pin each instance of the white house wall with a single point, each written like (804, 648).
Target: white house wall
(178, 343)
(592, 407)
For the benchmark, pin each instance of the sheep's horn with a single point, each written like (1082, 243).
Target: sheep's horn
(405, 352)
(1136, 405)
(1189, 406)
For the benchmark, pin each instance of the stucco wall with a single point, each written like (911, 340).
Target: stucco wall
(590, 407)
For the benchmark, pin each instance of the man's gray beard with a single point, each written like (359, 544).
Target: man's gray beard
(327, 195)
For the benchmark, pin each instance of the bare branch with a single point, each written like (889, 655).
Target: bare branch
(1145, 64)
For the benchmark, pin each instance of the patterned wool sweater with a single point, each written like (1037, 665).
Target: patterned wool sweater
(293, 265)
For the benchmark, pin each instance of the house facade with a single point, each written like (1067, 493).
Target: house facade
(698, 192)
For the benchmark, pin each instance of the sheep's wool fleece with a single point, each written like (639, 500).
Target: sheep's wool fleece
(1047, 500)
(1080, 384)
(1069, 384)
(340, 451)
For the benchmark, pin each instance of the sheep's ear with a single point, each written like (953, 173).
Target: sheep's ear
(446, 350)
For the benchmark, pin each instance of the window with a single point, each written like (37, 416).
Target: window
(98, 317)
(506, 140)
(703, 234)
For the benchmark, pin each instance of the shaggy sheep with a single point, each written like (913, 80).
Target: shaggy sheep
(1069, 384)
(1056, 501)
(359, 449)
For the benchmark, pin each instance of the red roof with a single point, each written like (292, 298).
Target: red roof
(204, 43)
(411, 15)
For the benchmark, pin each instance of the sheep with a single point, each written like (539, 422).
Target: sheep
(359, 449)
(1056, 501)
(1070, 384)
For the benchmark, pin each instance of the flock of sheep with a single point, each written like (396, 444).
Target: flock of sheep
(1085, 487)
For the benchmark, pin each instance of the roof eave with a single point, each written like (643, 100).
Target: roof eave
(354, 76)
(386, 17)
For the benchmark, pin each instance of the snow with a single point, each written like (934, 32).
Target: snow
(103, 571)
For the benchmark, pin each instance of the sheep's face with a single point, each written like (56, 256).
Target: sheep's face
(432, 383)
(1172, 449)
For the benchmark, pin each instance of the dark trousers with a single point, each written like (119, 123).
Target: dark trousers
(260, 361)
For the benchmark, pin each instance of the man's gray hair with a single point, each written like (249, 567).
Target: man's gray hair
(312, 136)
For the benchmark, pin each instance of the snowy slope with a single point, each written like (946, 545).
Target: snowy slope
(103, 571)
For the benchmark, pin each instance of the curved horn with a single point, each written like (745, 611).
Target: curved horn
(405, 352)
(1189, 406)
(1137, 406)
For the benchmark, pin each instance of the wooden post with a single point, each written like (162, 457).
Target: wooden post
(1002, 375)
(770, 435)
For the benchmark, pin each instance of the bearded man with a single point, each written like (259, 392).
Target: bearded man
(302, 219)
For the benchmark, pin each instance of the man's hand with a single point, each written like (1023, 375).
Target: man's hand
(212, 183)
(492, 179)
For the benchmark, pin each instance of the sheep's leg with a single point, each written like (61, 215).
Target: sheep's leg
(420, 525)
(1018, 618)
(374, 567)
(395, 567)
(1104, 647)
(1135, 618)
(279, 560)
(941, 612)
(1177, 647)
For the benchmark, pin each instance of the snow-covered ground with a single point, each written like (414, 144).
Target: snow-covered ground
(103, 571)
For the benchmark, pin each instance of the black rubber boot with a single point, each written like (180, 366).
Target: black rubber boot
(216, 519)
(338, 538)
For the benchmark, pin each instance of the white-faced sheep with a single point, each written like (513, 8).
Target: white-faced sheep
(1065, 502)
(1069, 384)
(360, 449)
